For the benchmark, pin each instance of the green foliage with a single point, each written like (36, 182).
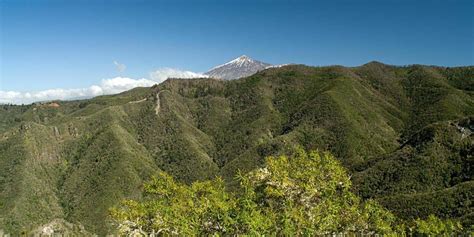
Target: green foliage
(11, 115)
(174, 208)
(309, 193)
(433, 226)
(304, 194)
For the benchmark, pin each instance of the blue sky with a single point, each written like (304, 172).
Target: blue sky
(73, 44)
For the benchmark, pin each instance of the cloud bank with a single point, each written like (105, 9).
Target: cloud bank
(162, 74)
(105, 87)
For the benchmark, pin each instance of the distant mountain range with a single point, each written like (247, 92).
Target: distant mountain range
(242, 66)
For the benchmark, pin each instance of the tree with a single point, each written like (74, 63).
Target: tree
(301, 194)
(308, 194)
(173, 208)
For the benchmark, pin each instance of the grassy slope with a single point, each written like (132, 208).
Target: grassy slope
(95, 152)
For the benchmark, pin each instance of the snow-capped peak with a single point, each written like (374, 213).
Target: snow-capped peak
(238, 61)
(240, 67)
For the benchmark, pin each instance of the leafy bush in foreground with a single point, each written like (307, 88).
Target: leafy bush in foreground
(303, 194)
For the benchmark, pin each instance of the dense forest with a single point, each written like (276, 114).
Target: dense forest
(222, 154)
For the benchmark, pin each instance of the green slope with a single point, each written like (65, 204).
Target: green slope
(431, 173)
(388, 125)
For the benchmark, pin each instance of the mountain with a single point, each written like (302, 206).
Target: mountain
(441, 156)
(403, 133)
(242, 66)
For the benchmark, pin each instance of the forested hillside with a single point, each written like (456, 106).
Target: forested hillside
(404, 135)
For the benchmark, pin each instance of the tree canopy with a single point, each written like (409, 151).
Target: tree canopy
(302, 194)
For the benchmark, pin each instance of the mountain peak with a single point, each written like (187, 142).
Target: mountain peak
(244, 57)
(241, 60)
(239, 67)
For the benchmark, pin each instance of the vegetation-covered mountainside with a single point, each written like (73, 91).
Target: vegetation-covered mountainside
(405, 134)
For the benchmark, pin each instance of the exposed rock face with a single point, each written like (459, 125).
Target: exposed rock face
(242, 66)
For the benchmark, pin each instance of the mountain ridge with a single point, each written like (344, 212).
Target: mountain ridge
(93, 153)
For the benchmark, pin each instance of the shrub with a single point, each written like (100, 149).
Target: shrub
(307, 193)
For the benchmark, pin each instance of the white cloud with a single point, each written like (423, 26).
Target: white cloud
(120, 67)
(106, 87)
(162, 74)
(120, 84)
